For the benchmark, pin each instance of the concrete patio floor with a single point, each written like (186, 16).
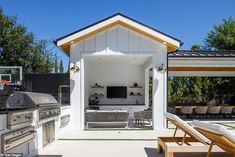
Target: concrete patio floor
(109, 148)
(73, 134)
(126, 134)
(112, 143)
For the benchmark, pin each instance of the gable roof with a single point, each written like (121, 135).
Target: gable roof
(64, 42)
(202, 54)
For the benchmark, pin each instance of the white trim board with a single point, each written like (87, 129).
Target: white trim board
(114, 19)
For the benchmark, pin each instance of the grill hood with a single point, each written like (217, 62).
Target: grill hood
(30, 100)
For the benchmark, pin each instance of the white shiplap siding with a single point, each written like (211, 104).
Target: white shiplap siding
(119, 39)
(112, 40)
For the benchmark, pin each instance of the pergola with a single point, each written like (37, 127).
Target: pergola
(201, 63)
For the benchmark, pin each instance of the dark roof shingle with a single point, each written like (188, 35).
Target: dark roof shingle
(202, 54)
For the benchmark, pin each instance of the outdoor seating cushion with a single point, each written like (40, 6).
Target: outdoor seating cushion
(214, 109)
(186, 110)
(226, 109)
(201, 110)
(217, 129)
(186, 126)
(100, 116)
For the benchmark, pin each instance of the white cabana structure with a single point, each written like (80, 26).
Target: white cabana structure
(120, 52)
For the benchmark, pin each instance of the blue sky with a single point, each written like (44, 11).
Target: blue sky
(187, 20)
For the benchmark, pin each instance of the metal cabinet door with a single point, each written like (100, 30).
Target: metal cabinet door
(52, 130)
(48, 132)
(44, 134)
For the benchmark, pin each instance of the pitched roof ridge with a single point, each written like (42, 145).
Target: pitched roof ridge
(116, 14)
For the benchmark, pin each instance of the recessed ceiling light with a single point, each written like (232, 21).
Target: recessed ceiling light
(164, 42)
(72, 42)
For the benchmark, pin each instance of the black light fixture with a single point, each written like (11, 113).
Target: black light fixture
(162, 68)
(75, 68)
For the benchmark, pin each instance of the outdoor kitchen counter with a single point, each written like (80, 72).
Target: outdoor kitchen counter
(18, 110)
(65, 110)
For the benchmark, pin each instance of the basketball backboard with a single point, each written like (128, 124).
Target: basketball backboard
(11, 74)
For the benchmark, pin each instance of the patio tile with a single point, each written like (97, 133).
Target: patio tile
(112, 148)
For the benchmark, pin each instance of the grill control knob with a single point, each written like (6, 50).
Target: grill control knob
(27, 117)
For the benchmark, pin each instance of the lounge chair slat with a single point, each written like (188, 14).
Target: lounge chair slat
(193, 142)
(218, 135)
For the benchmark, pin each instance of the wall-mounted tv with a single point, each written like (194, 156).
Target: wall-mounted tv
(117, 92)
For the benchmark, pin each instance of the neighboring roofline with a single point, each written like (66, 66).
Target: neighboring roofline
(202, 57)
(206, 51)
(55, 41)
(198, 51)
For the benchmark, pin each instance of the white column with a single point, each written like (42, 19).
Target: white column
(82, 108)
(159, 89)
(146, 93)
(75, 88)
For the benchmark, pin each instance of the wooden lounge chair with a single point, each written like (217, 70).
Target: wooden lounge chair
(218, 135)
(192, 141)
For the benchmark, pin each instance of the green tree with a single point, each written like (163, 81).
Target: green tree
(204, 89)
(41, 60)
(20, 48)
(61, 66)
(56, 65)
(196, 47)
(48, 66)
(177, 89)
(222, 37)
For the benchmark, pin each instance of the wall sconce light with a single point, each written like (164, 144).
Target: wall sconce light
(75, 68)
(162, 68)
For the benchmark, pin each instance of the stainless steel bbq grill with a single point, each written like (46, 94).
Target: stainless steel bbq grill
(46, 104)
(16, 138)
(25, 113)
(19, 119)
(30, 100)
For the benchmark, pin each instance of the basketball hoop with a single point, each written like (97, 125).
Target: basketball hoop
(2, 83)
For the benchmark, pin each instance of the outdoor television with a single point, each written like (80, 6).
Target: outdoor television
(117, 92)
